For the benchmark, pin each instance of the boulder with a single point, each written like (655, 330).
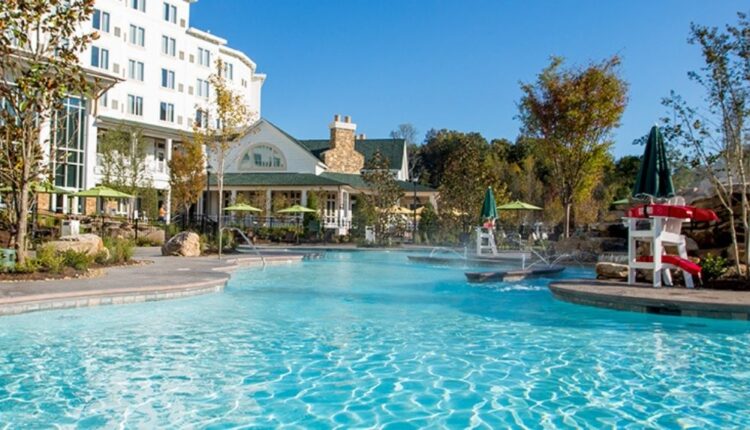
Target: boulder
(89, 243)
(605, 270)
(155, 236)
(185, 244)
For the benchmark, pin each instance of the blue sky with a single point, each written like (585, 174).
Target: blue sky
(453, 64)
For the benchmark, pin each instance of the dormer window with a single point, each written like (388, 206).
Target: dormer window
(263, 157)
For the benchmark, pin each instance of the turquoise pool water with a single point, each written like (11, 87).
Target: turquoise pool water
(369, 340)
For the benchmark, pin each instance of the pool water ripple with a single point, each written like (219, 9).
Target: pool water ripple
(370, 340)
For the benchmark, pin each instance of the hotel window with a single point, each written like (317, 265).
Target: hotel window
(138, 5)
(104, 99)
(137, 35)
(168, 46)
(99, 57)
(166, 112)
(100, 20)
(135, 70)
(204, 57)
(135, 105)
(167, 79)
(69, 141)
(170, 13)
(202, 88)
(229, 71)
(201, 118)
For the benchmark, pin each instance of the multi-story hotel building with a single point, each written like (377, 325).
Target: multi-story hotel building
(161, 66)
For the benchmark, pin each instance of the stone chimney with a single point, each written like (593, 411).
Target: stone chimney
(342, 157)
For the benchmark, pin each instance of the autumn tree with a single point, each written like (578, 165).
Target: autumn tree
(187, 175)
(465, 178)
(571, 114)
(384, 192)
(40, 41)
(231, 116)
(716, 135)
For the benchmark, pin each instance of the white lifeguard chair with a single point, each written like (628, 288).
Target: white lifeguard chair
(486, 240)
(664, 226)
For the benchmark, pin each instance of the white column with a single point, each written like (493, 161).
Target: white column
(89, 176)
(233, 194)
(268, 203)
(168, 203)
(303, 198)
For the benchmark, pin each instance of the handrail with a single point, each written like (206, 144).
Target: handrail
(248, 241)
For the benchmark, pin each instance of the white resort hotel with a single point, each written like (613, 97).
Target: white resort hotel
(155, 69)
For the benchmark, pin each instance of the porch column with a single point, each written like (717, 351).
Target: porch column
(268, 202)
(233, 194)
(303, 198)
(168, 202)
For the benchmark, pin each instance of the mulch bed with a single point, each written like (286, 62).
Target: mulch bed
(67, 273)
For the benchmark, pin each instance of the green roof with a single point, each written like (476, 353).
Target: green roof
(305, 179)
(356, 181)
(392, 149)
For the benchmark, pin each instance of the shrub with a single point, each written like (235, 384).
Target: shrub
(120, 250)
(79, 260)
(713, 267)
(30, 265)
(101, 258)
(49, 259)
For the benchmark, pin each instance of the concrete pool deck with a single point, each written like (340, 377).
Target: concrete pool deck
(644, 298)
(163, 278)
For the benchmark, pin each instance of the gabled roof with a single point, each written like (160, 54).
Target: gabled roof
(392, 149)
(287, 135)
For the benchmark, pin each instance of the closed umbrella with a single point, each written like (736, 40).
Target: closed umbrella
(489, 207)
(654, 176)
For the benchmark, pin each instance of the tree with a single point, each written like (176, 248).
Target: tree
(571, 115)
(232, 118)
(187, 175)
(439, 148)
(40, 41)
(384, 193)
(716, 136)
(123, 153)
(465, 179)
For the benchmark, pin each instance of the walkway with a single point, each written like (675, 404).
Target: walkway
(644, 298)
(164, 278)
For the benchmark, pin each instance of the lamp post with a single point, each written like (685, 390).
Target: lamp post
(414, 181)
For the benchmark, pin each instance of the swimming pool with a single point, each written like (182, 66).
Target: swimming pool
(363, 339)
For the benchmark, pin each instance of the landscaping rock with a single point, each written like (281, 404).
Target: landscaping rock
(606, 270)
(185, 244)
(89, 243)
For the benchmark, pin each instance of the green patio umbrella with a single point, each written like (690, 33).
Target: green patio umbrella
(489, 207)
(103, 192)
(296, 209)
(518, 206)
(620, 202)
(654, 176)
(242, 207)
(40, 187)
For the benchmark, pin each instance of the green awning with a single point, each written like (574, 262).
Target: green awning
(518, 206)
(102, 192)
(489, 207)
(654, 176)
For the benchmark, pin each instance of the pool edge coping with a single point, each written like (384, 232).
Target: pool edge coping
(117, 296)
